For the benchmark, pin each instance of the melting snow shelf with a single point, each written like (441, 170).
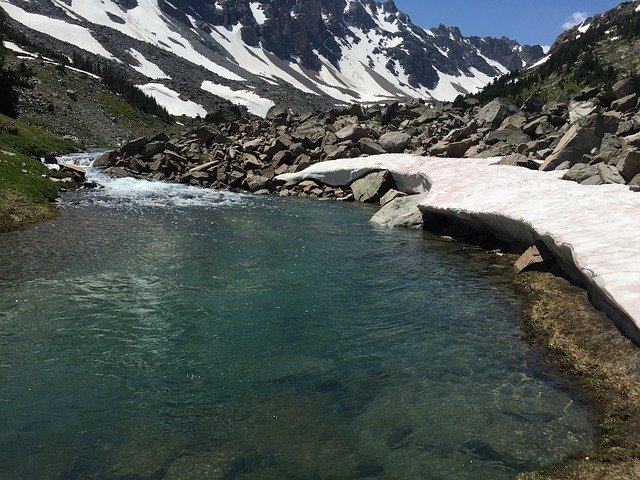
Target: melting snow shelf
(593, 230)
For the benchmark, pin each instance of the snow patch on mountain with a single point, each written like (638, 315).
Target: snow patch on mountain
(145, 67)
(171, 100)
(69, 33)
(255, 103)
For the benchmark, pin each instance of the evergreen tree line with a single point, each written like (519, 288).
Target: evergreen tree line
(10, 79)
(118, 83)
(574, 61)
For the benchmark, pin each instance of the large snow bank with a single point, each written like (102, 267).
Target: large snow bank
(593, 230)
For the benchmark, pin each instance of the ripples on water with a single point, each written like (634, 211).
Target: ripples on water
(156, 331)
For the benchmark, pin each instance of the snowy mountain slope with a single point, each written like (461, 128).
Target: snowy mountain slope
(305, 51)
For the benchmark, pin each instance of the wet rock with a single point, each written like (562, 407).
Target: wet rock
(401, 212)
(372, 187)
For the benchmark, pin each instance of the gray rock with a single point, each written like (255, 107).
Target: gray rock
(633, 140)
(259, 182)
(575, 143)
(401, 212)
(370, 146)
(533, 103)
(579, 110)
(352, 132)
(518, 160)
(394, 142)
(373, 186)
(606, 175)
(153, 148)
(580, 172)
(134, 147)
(106, 159)
(390, 196)
(510, 135)
(629, 164)
(625, 104)
(624, 87)
(495, 112)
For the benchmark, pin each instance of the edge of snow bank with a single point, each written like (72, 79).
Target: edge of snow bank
(589, 229)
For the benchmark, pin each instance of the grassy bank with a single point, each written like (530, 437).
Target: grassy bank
(584, 344)
(26, 186)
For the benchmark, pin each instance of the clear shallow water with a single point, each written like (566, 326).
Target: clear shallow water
(159, 332)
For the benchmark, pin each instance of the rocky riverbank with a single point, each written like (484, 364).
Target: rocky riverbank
(594, 135)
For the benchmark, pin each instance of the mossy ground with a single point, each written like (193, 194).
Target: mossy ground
(586, 345)
(26, 186)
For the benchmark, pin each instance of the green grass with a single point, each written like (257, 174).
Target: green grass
(26, 187)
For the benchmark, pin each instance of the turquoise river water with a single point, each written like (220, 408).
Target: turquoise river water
(161, 332)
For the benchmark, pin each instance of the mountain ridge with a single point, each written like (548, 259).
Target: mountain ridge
(258, 53)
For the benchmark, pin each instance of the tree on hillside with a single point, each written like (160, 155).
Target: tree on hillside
(8, 80)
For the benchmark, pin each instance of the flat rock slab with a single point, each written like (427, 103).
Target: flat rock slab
(590, 229)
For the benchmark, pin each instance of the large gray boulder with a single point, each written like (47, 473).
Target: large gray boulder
(577, 142)
(394, 142)
(106, 159)
(351, 132)
(580, 172)
(629, 164)
(494, 112)
(606, 175)
(134, 147)
(372, 187)
(401, 212)
(510, 135)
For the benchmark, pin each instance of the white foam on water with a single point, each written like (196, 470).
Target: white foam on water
(134, 193)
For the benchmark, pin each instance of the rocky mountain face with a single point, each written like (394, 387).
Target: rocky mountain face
(302, 53)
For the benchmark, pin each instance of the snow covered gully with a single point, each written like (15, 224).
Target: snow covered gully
(592, 230)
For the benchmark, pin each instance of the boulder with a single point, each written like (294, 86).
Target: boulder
(518, 160)
(575, 143)
(633, 140)
(153, 148)
(370, 146)
(394, 142)
(106, 159)
(625, 104)
(629, 164)
(206, 133)
(256, 183)
(580, 110)
(390, 196)
(401, 212)
(606, 175)
(373, 186)
(580, 172)
(352, 133)
(624, 87)
(495, 112)
(134, 147)
(509, 135)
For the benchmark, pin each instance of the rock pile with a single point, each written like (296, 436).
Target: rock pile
(595, 136)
